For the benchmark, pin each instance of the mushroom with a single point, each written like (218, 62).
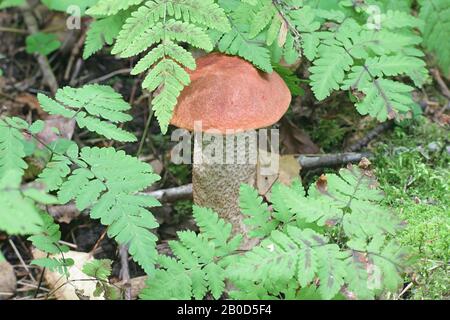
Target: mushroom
(231, 98)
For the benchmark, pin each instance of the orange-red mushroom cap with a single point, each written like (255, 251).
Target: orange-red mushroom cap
(229, 93)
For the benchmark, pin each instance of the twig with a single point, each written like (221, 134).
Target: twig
(144, 135)
(110, 75)
(21, 259)
(444, 89)
(314, 161)
(125, 270)
(75, 52)
(370, 136)
(41, 280)
(96, 245)
(409, 286)
(13, 30)
(32, 26)
(172, 194)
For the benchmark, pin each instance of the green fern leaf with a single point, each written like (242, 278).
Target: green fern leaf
(436, 14)
(98, 269)
(18, 214)
(332, 270)
(262, 19)
(252, 205)
(60, 265)
(102, 32)
(108, 182)
(197, 265)
(329, 70)
(92, 106)
(48, 239)
(56, 170)
(384, 99)
(111, 7)
(12, 149)
(216, 230)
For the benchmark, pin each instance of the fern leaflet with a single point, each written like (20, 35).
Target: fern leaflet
(94, 107)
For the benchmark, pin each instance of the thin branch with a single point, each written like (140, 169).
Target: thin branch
(125, 270)
(33, 27)
(314, 161)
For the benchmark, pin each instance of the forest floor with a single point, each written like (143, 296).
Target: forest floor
(411, 157)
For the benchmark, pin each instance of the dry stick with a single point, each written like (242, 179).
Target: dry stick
(33, 27)
(21, 259)
(73, 55)
(444, 89)
(370, 136)
(111, 75)
(125, 270)
(314, 161)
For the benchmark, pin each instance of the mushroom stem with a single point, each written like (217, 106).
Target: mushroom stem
(216, 185)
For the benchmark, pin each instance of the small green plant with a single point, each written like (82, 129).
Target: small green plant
(104, 180)
(335, 241)
(436, 15)
(346, 50)
(42, 43)
(412, 166)
(101, 270)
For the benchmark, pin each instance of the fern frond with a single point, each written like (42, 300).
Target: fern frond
(92, 106)
(252, 205)
(59, 265)
(12, 150)
(384, 99)
(216, 230)
(329, 70)
(18, 213)
(111, 7)
(436, 14)
(197, 265)
(108, 182)
(48, 238)
(99, 269)
(166, 23)
(286, 256)
(262, 19)
(237, 42)
(102, 32)
(56, 170)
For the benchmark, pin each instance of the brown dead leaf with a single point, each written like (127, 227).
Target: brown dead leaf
(31, 101)
(289, 169)
(282, 35)
(322, 184)
(8, 281)
(294, 140)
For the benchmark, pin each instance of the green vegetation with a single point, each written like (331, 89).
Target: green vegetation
(413, 169)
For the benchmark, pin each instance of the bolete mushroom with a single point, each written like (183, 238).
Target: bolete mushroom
(230, 97)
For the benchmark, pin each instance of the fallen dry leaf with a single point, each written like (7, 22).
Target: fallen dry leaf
(68, 288)
(8, 281)
(294, 140)
(288, 169)
(31, 101)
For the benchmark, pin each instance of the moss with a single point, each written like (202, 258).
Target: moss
(412, 167)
